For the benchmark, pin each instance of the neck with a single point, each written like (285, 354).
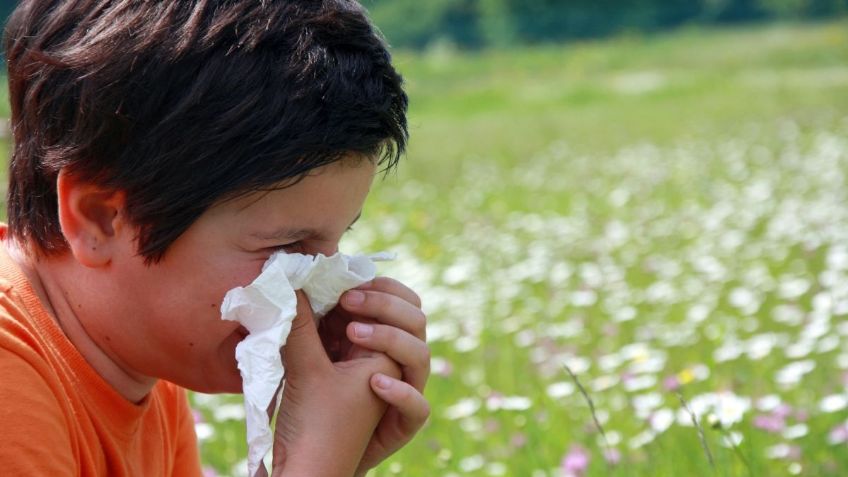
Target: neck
(59, 283)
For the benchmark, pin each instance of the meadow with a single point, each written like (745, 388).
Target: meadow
(665, 217)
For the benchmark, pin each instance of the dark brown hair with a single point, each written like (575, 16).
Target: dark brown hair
(182, 104)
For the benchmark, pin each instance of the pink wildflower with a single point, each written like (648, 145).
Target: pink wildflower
(783, 411)
(773, 423)
(575, 462)
(671, 383)
(612, 456)
(209, 472)
(838, 435)
(518, 440)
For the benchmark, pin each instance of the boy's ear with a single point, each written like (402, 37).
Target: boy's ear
(91, 218)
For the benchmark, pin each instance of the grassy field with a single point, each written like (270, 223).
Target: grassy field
(663, 216)
(666, 216)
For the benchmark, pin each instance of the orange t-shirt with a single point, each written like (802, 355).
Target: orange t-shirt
(58, 417)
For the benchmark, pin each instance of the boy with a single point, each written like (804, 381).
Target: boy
(163, 151)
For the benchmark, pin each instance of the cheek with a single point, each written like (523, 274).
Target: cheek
(219, 281)
(188, 311)
(190, 294)
(208, 304)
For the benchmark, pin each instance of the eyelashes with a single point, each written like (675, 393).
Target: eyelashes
(294, 247)
(301, 246)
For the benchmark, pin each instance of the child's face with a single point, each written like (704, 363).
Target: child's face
(172, 327)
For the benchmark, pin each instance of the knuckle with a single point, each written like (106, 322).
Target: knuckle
(426, 356)
(391, 336)
(416, 299)
(381, 282)
(388, 366)
(404, 393)
(375, 300)
(420, 322)
(394, 286)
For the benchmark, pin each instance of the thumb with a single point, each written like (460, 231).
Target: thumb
(303, 346)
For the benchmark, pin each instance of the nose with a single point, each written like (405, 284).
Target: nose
(327, 249)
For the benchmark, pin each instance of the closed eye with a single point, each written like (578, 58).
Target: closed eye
(294, 247)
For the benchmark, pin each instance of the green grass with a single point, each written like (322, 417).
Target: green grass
(638, 208)
(504, 105)
(622, 169)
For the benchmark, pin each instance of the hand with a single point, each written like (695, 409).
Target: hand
(398, 329)
(328, 411)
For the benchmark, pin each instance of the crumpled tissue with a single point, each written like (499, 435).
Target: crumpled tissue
(266, 308)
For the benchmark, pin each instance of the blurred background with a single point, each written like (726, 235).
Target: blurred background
(650, 195)
(476, 24)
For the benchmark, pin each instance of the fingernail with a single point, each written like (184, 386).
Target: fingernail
(362, 330)
(383, 382)
(354, 297)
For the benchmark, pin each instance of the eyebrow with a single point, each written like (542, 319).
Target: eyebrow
(294, 234)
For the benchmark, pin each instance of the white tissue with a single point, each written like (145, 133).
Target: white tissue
(266, 308)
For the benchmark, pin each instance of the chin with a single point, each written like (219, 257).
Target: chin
(215, 388)
(224, 376)
(230, 383)
(233, 387)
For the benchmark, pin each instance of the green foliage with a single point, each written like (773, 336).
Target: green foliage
(417, 24)
(476, 23)
(473, 24)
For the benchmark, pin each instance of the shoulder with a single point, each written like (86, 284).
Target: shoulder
(25, 354)
(26, 387)
(12, 309)
(36, 438)
(24, 357)
(19, 322)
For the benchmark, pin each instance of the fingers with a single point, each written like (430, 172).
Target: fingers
(392, 287)
(408, 401)
(303, 345)
(387, 309)
(407, 350)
